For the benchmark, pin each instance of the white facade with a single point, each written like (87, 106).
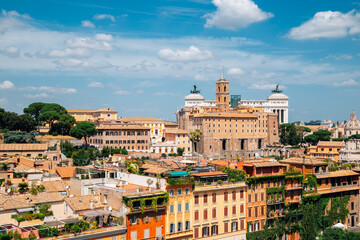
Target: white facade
(276, 103)
(196, 100)
(350, 153)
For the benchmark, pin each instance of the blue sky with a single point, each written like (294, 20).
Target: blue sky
(142, 57)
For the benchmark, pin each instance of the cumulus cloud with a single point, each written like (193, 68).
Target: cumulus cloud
(11, 52)
(100, 42)
(235, 14)
(191, 54)
(170, 94)
(36, 96)
(262, 86)
(87, 23)
(14, 14)
(6, 85)
(235, 71)
(199, 77)
(70, 52)
(96, 85)
(60, 90)
(104, 16)
(140, 91)
(328, 24)
(346, 83)
(76, 63)
(122, 92)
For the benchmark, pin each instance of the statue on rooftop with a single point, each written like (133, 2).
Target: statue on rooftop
(277, 90)
(195, 90)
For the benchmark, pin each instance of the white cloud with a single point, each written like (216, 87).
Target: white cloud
(191, 54)
(339, 57)
(235, 71)
(122, 92)
(346, 83)
(87, 23)
(101, 42)
(77, 63)
(104, 16)
(35, 96)
(14, 14)
(70, 52)
(96, 85)
(328, 24)
(140, 91)
(104, 37)
(262, 86)
(199, 77)
(234, 14)
(6, 85)
(11, 52)
(59, 90)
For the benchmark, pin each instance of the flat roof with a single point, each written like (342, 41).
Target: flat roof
(179, 174)
(300, 161)
(339, 173)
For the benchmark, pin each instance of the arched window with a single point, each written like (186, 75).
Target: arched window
(224, 88)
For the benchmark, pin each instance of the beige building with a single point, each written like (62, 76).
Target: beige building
(23, 149)
(102, 114)
(130, 137)
(230, 132)
(219, 211)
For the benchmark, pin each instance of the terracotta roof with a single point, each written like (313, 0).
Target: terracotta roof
(204, 174)
(65, 137)
(308, 161)
(141, 119)
(264, 164)
(65, 172)
(46, 197)
(54, 186)
(82, 111)
(109, 110)
(23, 147)
(22, 168)
(167, 123)
(83, 202)
(155, 170)
(29, 223)
(28, 200)
(339, 173)
(176, 131)
(223, 163)
(330, 144)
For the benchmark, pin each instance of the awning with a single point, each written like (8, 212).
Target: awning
(54, 223)
(178, 174)
(70, 220)
(187, 161)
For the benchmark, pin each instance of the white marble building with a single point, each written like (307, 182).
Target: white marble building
(350, 153)
(277, 102)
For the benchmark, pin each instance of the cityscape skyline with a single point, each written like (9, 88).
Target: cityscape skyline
(142, 59)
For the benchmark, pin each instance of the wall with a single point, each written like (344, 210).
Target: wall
(141, 180)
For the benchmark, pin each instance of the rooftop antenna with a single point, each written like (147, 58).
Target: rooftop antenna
(222, 74)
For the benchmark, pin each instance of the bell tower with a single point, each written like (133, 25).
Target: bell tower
(222, 94)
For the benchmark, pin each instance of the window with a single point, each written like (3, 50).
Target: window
(171, 208)
(249, 198)
(172, 228)
(179, 227)
(214, 197)
(179, 191)
(205, 231)
(187, 208)
(146, 233)
(179, 207)
(225, 196)
(256, 197)
(196, 232)
(242, 209)
(133, 235)
(249, 212)
(134, 219)
(186, 190)
(196, 198)
(171, 192)
(226, 225)
(205, 198)
(234, 210)
(214, 230)
(234, 195)
(187, 225)
(205, 214)
(262, 210)
(234, 226)
(242, 224)
(214, 213)
(352, 205)
(225, 211)
(197, 215)
(241, 194)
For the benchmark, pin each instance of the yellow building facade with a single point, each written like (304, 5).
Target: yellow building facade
(219, 211)
(102, 114)
(325, 150)
(179, 212)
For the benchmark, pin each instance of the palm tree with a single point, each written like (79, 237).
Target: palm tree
(195, 137)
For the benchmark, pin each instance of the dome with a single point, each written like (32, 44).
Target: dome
(278, 96)
(194, 97)
(352, 124)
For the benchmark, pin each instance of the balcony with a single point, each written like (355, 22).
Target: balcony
(294, 199)
(275, 214)
(182, 234)
(275, 202)
(293, 187)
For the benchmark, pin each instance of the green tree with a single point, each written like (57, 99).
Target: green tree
(308, 223)
(23, 187)
(105, 152)
(83, 130)
(80, 158)
(67, 148)
(63, 125)
(124, 151)
(195, 137)
(34, 110)
(321, 135)
(51, 112)
(289, 135)
(20, 137)
(180, 151)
